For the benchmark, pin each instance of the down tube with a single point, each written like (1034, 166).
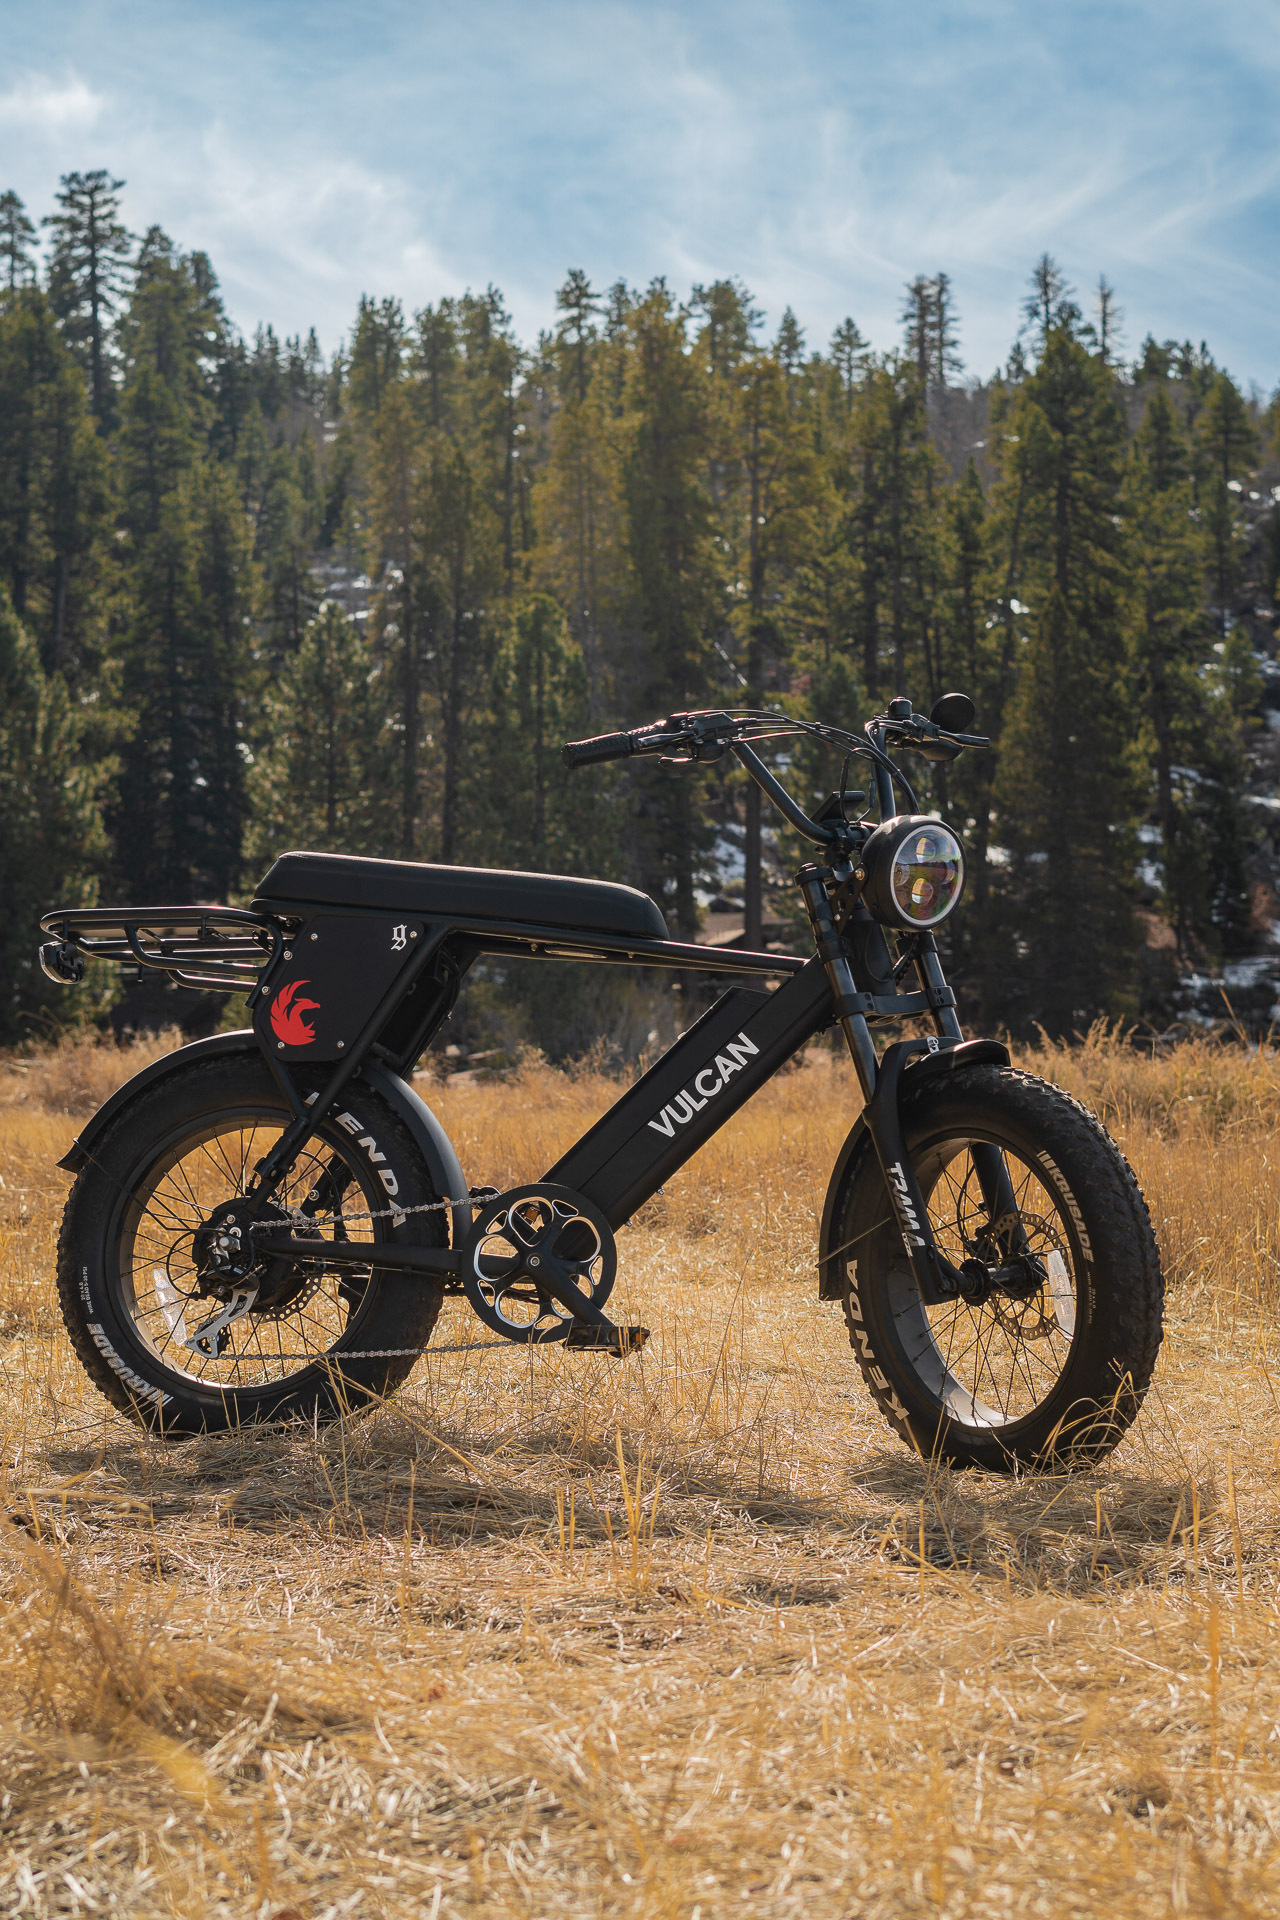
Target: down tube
(689, 1093)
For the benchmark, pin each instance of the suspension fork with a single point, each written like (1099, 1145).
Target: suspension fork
(988, 1162)
(936, 1276)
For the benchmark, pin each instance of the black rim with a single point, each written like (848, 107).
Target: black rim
(988, 1366)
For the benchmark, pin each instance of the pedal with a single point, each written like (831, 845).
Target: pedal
(619, 1341)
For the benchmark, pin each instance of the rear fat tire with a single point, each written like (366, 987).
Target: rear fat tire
(397, 1310)
(1102, 1224)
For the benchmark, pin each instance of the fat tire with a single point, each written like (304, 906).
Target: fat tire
(399, 1310)
(1114, 1350)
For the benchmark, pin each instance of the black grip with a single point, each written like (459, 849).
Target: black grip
(605, 746)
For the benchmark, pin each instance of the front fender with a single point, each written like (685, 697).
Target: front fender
(858, 1142)
(430, 1138)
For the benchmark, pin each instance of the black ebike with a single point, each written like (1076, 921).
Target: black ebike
(264, 1224)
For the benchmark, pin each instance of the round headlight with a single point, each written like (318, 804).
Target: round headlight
(915, 871)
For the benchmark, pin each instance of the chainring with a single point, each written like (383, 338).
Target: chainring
(515, 1239)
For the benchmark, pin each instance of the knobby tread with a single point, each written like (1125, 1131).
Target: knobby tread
(1129, 1281)
(403, 1316)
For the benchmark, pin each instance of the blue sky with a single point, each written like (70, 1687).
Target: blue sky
(824, 152)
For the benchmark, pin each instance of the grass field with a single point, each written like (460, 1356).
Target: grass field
(691, 1636)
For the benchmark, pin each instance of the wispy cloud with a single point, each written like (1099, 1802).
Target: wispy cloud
(36, 103)
(823, 151)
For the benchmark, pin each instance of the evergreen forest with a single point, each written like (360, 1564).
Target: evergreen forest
(255, 597)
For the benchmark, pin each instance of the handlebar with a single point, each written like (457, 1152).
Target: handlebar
(686, 737)
(605, 746)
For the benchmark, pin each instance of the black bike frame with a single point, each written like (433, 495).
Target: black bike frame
(709, 1072)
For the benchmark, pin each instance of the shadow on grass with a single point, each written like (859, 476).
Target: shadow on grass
(388, 1479)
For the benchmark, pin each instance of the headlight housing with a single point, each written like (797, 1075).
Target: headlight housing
(915, 871)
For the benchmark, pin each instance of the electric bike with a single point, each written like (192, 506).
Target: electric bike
(264, 1224)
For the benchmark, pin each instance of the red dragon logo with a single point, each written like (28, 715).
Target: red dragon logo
(287, 1022)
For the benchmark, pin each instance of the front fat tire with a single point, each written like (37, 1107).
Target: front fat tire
(397, 1311)
(1103, 1224)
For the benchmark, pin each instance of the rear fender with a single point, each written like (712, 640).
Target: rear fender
(82, 1148)
(430, 1138)
(858, 1146)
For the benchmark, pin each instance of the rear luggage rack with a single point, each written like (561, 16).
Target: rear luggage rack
(220, 947)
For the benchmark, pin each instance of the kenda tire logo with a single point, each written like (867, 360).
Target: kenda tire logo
(287, 1011)
(704, 1086)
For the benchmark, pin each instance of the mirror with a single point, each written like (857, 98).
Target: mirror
(954, 711)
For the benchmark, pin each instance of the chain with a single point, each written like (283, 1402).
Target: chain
(298, 1217)
(329, 1358)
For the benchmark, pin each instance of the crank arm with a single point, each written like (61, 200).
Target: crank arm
(585, 1311)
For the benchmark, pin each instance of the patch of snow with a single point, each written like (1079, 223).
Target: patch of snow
(1148, 834)
(1151, 874)
(1247, 973)
(730, 859)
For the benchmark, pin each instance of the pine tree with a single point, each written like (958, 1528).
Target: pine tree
(491, 427)
(286, 537)
(1109, 321)
(848, 352)
(402, 613)
(16, 234)
(918, 326)
(1049, 306)
(1169, 649)
(972, 646)
(325, 774)
(55, 499)
(767, 529)
(730, 317)
(888, 472)
(87, 273)
(544, 818)
(674, 577)
(944, 350)
(578, 302)
(578, 517)
(1225, 447)
(435, 362)
(52, 845)
(1066, 787)
(929, 322)
(377, 349)
(789, 346)
(183, 655)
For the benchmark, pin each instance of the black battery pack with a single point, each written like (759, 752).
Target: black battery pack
(689, 1093)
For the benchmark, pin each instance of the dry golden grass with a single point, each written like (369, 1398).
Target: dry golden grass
(686, 1637)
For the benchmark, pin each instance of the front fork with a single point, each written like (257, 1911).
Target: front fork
(937, 1277)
